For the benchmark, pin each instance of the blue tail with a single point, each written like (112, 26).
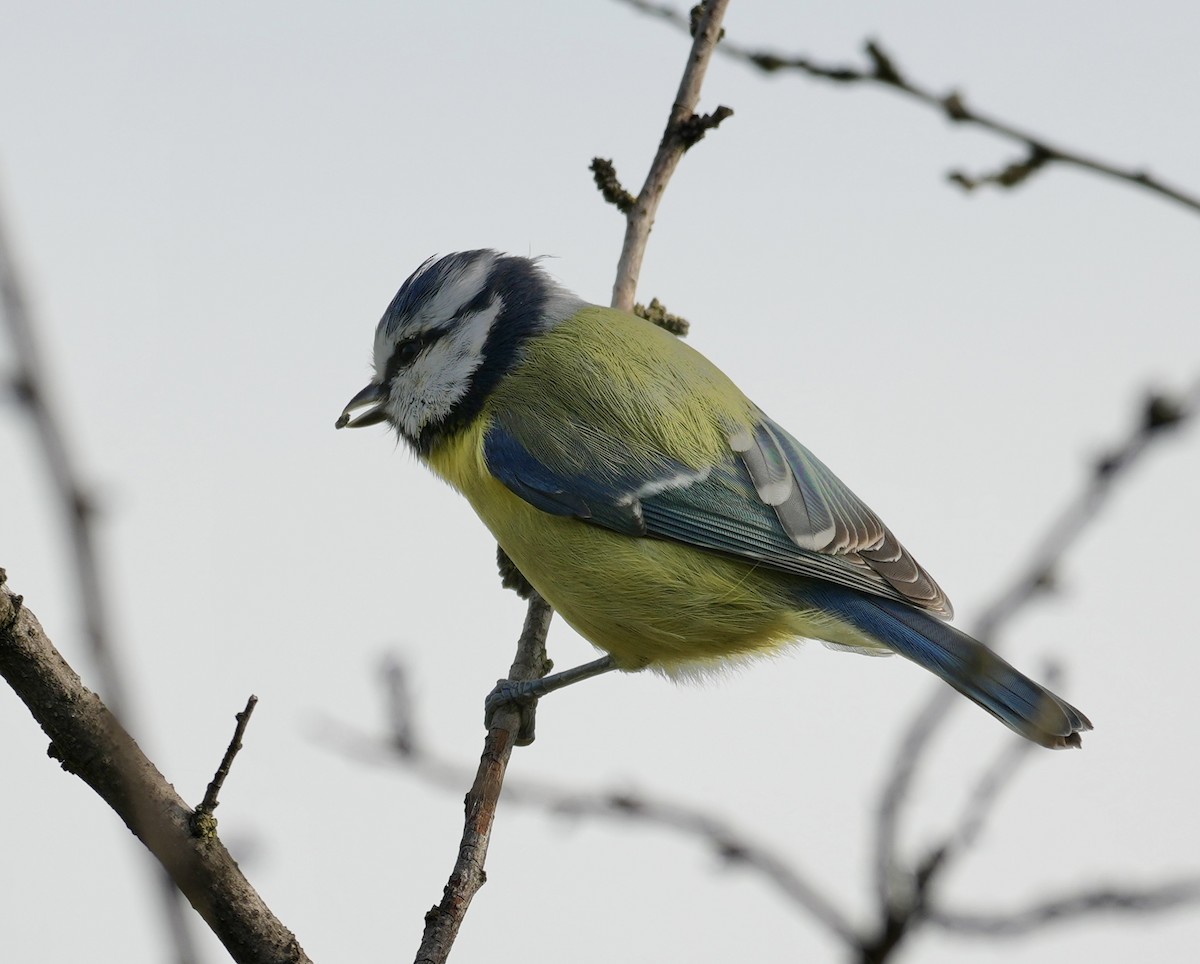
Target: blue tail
(967, 665)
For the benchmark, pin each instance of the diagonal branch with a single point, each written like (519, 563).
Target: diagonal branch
(31, 389)
(30, 386)
(203, 820)
(882, 70)
(728, 842)
(1160, 413)
(90, 743)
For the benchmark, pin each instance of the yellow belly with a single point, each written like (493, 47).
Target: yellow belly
(648, 602)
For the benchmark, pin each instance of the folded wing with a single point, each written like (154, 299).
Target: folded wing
(767, 500)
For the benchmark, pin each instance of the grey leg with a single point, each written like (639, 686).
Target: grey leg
(525, 694)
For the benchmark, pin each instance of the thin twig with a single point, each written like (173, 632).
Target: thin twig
(1039, 153)
(202, 819)
(682, 130)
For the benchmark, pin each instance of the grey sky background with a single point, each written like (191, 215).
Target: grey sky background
(214, 203)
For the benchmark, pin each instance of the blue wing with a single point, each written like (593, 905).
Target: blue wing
(770, 501)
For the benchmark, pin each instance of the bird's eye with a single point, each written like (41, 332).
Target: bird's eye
(406, 352)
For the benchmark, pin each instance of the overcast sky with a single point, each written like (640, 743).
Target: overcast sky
(213, 204)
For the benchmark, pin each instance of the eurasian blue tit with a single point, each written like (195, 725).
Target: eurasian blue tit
(660, 511)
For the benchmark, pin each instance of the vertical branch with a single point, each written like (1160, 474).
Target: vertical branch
(683, 129)
(443, 921)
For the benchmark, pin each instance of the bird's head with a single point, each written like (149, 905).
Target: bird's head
(456, 327)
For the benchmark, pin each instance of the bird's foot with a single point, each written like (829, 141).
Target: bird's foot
(524, 694)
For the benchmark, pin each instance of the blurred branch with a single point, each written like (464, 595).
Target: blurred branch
(90, 743)
(994, 780)
(905, 897)
(730, 844)
(30, 387)
(508, 728)
(1021, 922)
(908, 908)
(882, 70)
(1160, 412)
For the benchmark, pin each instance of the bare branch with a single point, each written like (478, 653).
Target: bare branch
(507, 730)
(443, 921)
(729, 843)
(1159, 413)
(1039, 153)
(1062, 909)
(202, 820)
(90, 743)
(77, 504)
(683, 129)
(78, 510)
(984, 797)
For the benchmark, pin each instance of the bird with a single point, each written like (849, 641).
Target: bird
(663, 514)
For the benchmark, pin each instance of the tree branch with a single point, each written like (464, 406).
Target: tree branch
(1062, 909)
(443, 921)
(683, 129)
(1039, 153)
(1160, 412)
(31, 389)
(728, 842)
(90, 743)
(202, 820)
(79, 511)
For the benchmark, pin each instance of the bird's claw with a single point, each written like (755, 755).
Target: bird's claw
(519, 696)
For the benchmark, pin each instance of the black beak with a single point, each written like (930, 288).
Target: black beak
(373, 395)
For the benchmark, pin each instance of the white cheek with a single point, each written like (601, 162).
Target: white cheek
(441, 376)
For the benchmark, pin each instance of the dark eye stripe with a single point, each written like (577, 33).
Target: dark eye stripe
(406, 351)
